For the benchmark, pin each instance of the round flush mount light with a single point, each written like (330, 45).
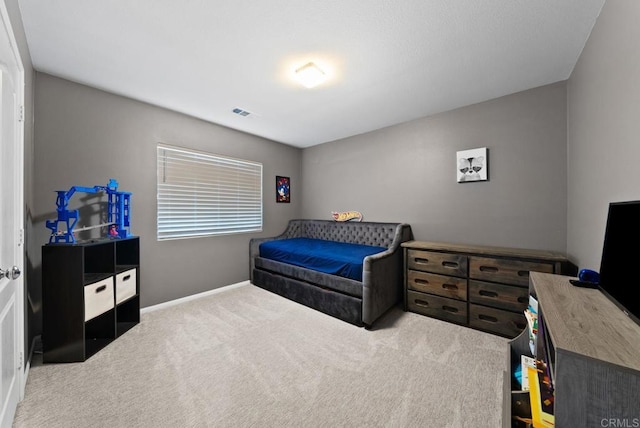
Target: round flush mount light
(310, 75)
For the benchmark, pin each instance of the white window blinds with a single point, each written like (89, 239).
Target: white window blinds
(201, 194)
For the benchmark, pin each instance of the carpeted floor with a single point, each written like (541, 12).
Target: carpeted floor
(248, 358)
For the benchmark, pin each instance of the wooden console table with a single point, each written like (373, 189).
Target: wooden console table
(594, 353)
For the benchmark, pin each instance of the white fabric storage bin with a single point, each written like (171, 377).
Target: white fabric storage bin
(125, 285)
(98, 298)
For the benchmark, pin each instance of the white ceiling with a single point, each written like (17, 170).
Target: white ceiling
(388, 61)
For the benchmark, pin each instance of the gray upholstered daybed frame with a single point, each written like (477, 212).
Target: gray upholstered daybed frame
(359, 303)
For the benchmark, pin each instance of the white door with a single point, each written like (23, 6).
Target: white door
(11, 224)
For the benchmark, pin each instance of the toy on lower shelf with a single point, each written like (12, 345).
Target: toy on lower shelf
(118, 207)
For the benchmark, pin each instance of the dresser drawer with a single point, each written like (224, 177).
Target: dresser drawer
(505, 323)
(125, 285)
(446, 286)
(444, 263)
(505, 270)
(98, 298)
(508, 297)
(437, 307)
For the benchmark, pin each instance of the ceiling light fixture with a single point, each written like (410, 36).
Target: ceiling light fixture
(310, 75)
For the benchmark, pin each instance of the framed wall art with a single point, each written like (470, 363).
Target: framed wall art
(472, 165)
(283, 189)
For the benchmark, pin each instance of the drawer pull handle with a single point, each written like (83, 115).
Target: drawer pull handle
(451, 265)
(449, 286)
(421, 303)
(450, 309)
(486, 293)
(488, 318)
(491, 269)
(101, 288)
(421, 281)
(419, 260)
(523, 299)
(126, 278)
(523, 273)
(520, 325)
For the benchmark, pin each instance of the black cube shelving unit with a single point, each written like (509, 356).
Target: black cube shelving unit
(90, 296)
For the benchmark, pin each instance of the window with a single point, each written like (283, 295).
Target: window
(202, 194)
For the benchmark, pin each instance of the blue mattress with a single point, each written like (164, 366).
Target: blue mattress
(336, 258)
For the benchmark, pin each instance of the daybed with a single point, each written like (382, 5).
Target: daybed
(316, 264)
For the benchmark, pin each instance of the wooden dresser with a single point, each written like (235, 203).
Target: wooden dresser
(477, 286)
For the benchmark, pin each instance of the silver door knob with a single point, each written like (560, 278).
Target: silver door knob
(14, 273)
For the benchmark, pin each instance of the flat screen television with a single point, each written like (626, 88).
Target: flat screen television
(620, 264)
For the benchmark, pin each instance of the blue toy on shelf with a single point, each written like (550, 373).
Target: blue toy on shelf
(118, 206)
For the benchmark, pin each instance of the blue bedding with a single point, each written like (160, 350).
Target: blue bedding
(336, 258)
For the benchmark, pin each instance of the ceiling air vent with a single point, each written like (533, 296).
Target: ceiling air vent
(241, 112)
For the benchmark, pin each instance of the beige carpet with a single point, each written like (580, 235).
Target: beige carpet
(248, 358)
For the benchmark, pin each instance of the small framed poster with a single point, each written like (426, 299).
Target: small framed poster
(283, 189)
(472, 165)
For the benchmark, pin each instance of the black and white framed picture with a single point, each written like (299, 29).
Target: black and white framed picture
(472, 165)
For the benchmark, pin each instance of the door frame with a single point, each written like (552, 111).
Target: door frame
(18, 211)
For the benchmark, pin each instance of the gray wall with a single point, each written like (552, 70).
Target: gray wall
(84, 136)
(408, 173)
(603, 128)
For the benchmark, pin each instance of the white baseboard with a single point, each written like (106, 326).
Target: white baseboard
(27, 367)
(193, 297)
